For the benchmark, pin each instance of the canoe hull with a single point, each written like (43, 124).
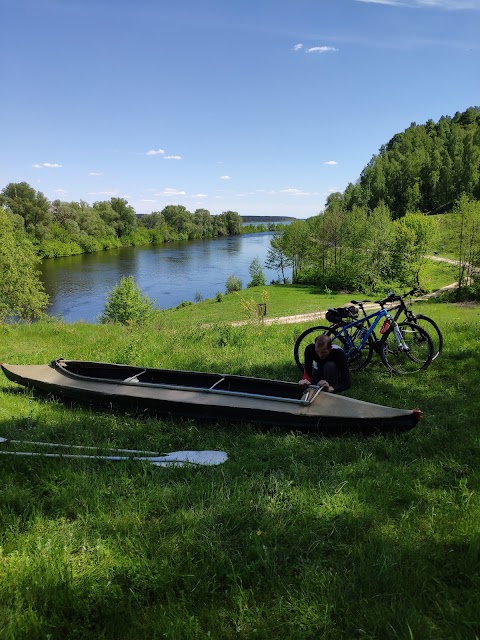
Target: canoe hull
(206, 396)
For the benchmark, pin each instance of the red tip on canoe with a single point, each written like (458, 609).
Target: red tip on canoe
(418, 414)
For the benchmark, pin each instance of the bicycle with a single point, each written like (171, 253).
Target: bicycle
(429, 325)
(404, 347)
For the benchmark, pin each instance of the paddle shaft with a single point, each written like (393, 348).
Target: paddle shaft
(179, 458)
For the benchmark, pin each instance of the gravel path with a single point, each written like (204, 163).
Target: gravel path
(320, 315)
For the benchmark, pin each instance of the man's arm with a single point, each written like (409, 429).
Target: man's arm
(308, 362)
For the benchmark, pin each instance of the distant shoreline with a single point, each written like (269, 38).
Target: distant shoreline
(267, 218)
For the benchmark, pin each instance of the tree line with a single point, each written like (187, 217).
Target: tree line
(67, 228)
(425, 168)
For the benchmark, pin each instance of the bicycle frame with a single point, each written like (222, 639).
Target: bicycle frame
(376, 316)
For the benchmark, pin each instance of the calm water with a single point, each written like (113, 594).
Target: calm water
(79, 285)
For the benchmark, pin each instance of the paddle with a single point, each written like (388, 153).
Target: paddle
(175, 458)
(78, 446)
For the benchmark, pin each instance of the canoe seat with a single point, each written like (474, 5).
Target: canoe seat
(217, 383)
(135, 377)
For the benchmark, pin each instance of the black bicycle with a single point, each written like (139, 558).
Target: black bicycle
(404, 347)
(404, 312)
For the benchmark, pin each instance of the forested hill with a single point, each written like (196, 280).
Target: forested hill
(425, 168)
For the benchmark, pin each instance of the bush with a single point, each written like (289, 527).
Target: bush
(233, 284)
(219, 296)
(126, 304)
(256, 273)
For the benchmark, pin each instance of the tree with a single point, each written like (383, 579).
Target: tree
(276, 257)
(295, 241)
(256, 273)
(467, 214)
(179, 219)
(32, 206)
(126, 304)
(233, 284)
(21, 291)
(154, 220)
(127, 220)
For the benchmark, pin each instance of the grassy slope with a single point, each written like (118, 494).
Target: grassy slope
(296, 536)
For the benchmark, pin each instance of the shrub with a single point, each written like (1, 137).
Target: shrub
(256, 273)
(219, 296)
(126, 304)
(233, 284)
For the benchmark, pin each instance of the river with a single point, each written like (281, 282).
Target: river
(171, 273)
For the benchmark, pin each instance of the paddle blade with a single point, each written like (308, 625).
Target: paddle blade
(181, 458)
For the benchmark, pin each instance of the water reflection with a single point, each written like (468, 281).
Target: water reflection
(79, 285)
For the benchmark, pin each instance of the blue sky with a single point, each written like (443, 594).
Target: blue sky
(260, 107)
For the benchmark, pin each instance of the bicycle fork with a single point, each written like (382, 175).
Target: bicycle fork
(401, 344)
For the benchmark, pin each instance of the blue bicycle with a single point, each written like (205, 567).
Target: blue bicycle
(404, 347)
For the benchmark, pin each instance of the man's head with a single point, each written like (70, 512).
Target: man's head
(323, 346)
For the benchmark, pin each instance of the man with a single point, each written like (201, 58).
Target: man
(325, 366)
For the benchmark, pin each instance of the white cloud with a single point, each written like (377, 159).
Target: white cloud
(172, 157)
(428, 4)
(168, 191)
(155, 152)
(95, 173)
(60, 191)
(321, 49)
(332, 162)
(146, 200)
(298, 192)
(46, 165)
(102, 193)
(225, 178)
(199, 195)
(298, 46)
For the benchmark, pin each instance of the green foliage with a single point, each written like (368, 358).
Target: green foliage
(256, 273)
(126, 304)
(21, 292)
(425, 168)
(277, 258)
(356, 249)
(31, 206)
(219, 296)
(233, 283)
(68, 228)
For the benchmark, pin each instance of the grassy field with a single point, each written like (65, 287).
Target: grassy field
(296, 536)
(287, 300)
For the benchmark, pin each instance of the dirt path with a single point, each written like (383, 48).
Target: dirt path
(320, 315)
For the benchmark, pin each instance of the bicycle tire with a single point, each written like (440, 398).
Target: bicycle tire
(416, 358)
(431, 327)
(302, 341)
(355, 363)
(358, 359)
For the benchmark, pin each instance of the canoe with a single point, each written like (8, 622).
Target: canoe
(214, 396)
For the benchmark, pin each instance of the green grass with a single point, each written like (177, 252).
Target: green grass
(296, 536)
(287, 300)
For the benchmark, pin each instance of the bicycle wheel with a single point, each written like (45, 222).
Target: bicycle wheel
(357, 358)
(304, 339)
(415, 357)
(433, 331)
